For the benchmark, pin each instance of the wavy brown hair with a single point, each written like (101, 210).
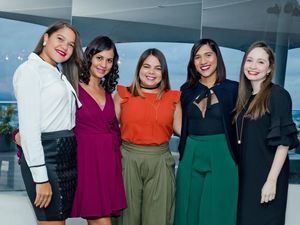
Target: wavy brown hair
(72, 67)
(259, 106)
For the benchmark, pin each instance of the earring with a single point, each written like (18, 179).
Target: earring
(44, 43)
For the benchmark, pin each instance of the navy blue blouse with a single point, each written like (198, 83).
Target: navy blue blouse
(226, 93)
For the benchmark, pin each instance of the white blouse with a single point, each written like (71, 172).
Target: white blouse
(46, 103)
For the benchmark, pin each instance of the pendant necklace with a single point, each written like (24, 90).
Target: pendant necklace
(239, 133)
(239, 136)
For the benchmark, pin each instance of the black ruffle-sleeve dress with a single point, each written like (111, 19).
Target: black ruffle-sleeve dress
(259, 141)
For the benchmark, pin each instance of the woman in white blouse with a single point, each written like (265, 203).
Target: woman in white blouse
(46, 106)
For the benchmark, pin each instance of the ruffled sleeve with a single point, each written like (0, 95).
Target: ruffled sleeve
(175, 96)
(282, 130)
(124, 93)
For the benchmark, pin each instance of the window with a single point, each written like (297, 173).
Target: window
(17, 40)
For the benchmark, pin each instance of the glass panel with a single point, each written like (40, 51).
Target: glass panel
(15, 47)
(292, 84)
(292, 80)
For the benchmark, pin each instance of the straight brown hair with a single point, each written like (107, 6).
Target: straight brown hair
(259, 106)
(73, 66)
(135, 87)
(193, 76)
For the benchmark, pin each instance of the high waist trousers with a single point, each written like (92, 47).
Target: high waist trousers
(207, 183)
(149, 179)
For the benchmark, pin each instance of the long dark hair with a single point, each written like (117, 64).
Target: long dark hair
(97, 45)
(72, 67)
(259, 106)
(135, 87)
(193, 75)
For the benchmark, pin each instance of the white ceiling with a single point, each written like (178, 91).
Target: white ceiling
(173, 20)
(179, 13)
(61, 9)
(252, 15)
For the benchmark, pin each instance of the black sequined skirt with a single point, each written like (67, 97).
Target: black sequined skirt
(60, 158)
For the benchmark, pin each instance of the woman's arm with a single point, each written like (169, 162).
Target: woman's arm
(28, 91)
(268, 191)
(27, 87)
(177, 119)
(117, 101)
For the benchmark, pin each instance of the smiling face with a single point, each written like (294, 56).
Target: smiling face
(59, 46)
(205, 61)
(101, 63)
(257, 65)
(150, 73)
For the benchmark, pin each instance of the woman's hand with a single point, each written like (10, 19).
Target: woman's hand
(17, 137)
(43, 195)
(268, 191)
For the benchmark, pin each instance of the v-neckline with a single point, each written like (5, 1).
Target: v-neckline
(94, 100)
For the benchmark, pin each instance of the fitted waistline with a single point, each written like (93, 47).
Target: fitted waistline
(57, 134)
(146, 149)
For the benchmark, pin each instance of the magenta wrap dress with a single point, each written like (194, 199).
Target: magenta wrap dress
(100, 190)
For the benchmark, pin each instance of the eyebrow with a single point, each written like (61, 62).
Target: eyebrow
(99, 55)
(205, 53)
(150, 65)
(257, 59)
(71, 42)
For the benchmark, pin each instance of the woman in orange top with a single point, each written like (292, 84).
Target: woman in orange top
(149, 112)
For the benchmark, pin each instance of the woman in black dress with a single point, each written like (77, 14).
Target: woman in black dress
(265, 133)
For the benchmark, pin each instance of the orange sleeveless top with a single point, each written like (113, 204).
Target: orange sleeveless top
(147, 121)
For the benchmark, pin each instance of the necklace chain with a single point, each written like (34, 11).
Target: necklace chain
(239, 136)
(239, 133)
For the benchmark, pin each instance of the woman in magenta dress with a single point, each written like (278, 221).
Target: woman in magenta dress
(100, 192)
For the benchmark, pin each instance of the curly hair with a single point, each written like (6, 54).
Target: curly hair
(99, 44)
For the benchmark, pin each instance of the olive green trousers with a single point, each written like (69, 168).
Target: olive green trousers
(206, 183)
(148, 173)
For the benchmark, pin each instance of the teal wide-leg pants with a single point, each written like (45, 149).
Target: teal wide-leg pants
(206, 183)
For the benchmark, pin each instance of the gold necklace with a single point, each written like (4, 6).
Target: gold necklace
(239, 136)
